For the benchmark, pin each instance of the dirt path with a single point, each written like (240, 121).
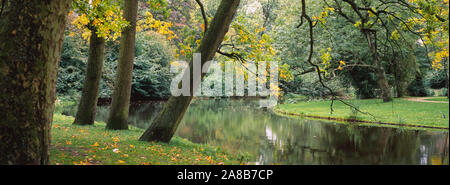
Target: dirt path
(423, 99)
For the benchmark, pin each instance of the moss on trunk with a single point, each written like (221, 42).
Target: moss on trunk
(31, 36)
(118, 114)
(379, 70)
(88, 102)
(383, 84)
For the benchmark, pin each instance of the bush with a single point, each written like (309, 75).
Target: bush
(364, 81)
(151, 75)
(417, 87)
(72, 66)
(66, 106)
(436, 79)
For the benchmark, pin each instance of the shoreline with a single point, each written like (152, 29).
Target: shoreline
(351, 120)
(94, 145)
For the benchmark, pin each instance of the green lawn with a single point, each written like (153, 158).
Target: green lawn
(95, 145)
(438, 99)
(399, 111)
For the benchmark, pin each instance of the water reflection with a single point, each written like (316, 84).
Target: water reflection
(239, 126)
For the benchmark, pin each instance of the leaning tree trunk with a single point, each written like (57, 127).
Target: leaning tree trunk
(31, 36)
(118, 114)
(379, 70)
(167, 121)
(88, 102)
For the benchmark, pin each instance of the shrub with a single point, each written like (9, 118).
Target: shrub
(151, 74)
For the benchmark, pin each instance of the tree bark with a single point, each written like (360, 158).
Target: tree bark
(398, 74)
(88, 102)
(166, 122)
(31, 36)
(118, 114)
(379, 70)
(446, 68)
(383, 84)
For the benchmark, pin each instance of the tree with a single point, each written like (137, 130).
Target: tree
(404, 70)
(167, 121)
(101, 20)
(435, 26)
(269, 8)
(365, 18)
(31, 36)
(88, 102)
(118, 115)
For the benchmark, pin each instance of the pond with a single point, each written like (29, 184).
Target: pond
(240, 126)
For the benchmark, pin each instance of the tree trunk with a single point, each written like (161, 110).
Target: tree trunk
(383, 84)
(118, 114)
(88, 102)
(400, 92)
(399, 78)
(446, 68)
(31, 36)
(167, 121)
(379, 70)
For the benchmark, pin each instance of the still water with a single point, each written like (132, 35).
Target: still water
(240, 126)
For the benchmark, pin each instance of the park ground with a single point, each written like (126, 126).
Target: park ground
(430, 112)
(85, 145)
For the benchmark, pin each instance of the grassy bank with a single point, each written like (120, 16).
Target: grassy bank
(95, 145)
(399, 111)
(444, 99)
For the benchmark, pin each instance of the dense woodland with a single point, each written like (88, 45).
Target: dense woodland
(88, 51)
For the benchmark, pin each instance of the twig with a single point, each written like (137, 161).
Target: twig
(238, 57)
(3, 6)
(311, 51)
(205, 18)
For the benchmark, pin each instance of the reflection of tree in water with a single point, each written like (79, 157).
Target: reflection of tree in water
(142, 115)
(274, 139)
(237, 126)
(338, 144)
(219, 123)
(376, 145)
(445, 158)
(298, 142)
(438, 153)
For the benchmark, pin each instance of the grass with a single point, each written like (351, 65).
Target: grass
(444, 99)
(399, 111)
(81, 145)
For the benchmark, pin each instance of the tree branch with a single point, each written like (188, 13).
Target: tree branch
(205, 18)
(317, 68)
(3, 6)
